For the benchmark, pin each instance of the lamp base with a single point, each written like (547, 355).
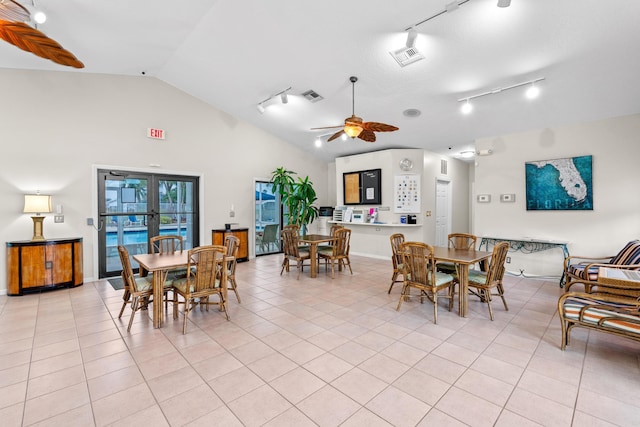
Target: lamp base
(37, 228)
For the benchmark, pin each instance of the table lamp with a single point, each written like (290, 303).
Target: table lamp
(37, 203)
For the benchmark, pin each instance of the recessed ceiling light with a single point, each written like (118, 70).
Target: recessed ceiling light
(412, 112)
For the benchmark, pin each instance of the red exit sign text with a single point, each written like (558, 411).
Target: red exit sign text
(155, 133)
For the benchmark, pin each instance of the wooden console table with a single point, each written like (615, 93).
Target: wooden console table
(218, 235)
(528, 246)
(34, 266)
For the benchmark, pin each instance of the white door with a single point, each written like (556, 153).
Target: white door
(443, 212)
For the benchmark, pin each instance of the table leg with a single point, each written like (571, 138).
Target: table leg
(463, 277)
(157, 299)
(313, 254)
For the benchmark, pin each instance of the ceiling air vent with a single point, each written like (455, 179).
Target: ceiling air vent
(406, 56)
(312, 96)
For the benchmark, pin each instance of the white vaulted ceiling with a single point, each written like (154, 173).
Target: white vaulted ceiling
(233, 54)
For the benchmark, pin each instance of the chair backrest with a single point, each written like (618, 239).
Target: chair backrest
(270, 233)
(341, 244)
(294, 227)
(232, 244)
(396, 254)
(290, 241)
(418, 261)
(127, 272)
(209, 271)
(165, 244)
(334, 228)
(629, 255)
(462, 241)
(496, 264)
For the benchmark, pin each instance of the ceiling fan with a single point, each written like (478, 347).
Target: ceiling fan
(354, 126)
(15, 30)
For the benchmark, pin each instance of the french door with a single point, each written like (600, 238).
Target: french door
(135, 206)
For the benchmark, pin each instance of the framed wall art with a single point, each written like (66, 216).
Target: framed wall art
(560, 184)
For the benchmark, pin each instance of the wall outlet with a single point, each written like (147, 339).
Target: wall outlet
(89, 221)
(58, 218)
(508, 260)
(232, 213)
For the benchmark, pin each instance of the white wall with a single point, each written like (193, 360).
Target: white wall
(56, 126)
(614, 220)
(374, 241)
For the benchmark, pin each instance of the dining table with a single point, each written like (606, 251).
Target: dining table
(313, 240)
(159, 265)
(463, 258)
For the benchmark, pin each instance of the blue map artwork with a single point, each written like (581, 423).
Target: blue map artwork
(561, 184)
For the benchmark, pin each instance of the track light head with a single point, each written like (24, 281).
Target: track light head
(504, 3)
(533, 91)
(466, 108)
(284, 98)
(411, 37)
(261, 108)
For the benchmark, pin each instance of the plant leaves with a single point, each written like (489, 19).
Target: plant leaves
(31, 40)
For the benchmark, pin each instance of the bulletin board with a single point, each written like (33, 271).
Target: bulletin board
(406, 194)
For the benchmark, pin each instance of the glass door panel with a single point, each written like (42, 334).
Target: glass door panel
(268, 223)
(177, 210)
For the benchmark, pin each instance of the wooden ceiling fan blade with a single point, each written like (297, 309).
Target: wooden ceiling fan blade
(335, 135)
(367, 135)
(379, 127)
(31, 40)
(328, 127)
(13, 11)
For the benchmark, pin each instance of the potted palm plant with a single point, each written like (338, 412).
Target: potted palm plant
(297, 195)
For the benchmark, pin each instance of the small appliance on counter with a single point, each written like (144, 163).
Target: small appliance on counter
(412, 219)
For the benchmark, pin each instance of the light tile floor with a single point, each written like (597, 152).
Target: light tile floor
(310, 352)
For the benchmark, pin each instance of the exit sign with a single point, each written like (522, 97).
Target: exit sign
(155, 133)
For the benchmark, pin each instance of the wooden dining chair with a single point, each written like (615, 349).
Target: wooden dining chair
(137, 290)
(484, 282)
(457, 241)
(232, 243)
(420, 273)
(168, 244)
(328, 248)
(206, 277)
(397, 258)
(339, 251)
(292, 250)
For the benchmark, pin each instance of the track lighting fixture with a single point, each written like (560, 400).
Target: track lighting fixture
(284, 98)
(531, 93)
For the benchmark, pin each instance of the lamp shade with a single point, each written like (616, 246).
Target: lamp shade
(37, 203)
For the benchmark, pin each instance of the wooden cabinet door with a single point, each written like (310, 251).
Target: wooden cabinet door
(59, 263)
(33, 267)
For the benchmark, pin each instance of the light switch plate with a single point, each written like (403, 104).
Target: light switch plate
(507, 198)
(484, 198)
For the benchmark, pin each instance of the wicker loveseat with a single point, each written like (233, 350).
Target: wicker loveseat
(614, 314)
(584, 270)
